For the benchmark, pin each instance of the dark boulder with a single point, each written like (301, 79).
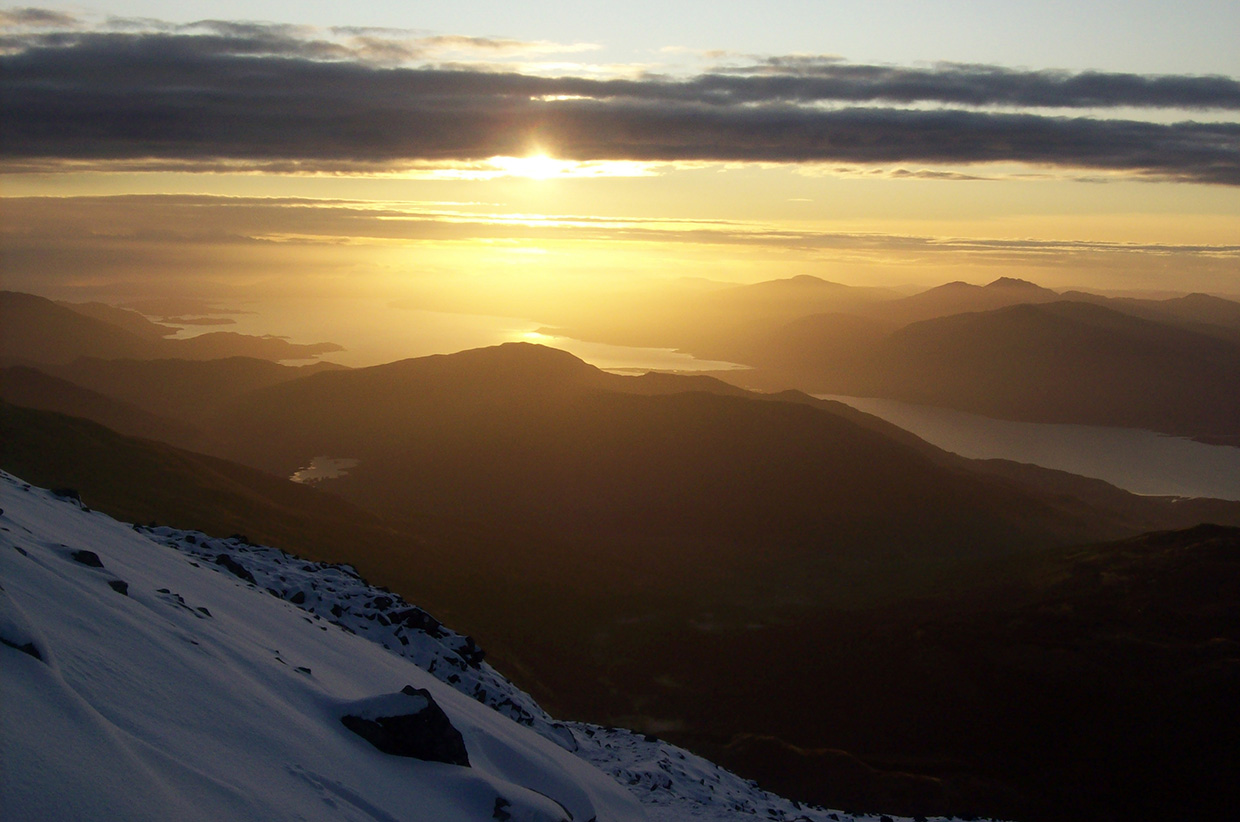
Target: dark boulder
(71, 495)
(410, 724)
(88, 558)
(470, 652)
(420, 620)
(230, 564)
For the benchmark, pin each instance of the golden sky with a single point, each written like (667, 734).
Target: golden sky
(229, 158)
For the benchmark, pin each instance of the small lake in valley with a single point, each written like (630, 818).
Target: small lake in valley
(321, 468)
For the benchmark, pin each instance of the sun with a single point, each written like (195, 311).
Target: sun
(534, 166)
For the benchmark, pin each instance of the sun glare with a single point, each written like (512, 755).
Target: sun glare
(535, 166)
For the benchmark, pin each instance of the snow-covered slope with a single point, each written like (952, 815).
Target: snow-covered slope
(156, 674)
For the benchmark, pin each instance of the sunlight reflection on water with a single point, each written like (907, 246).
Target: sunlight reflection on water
(321, 468)
(376, 331)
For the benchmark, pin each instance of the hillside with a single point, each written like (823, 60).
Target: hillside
(1093, 683)
(190, 390)
(153, 684)
(525, 436)
(962, 298)
(31, 388)
(1204, 313)
(36, 330)
(597, 634)
(1064, 361)
(149, 651)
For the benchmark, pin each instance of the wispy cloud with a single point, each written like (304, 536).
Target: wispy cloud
(200, 218)
(492, 45)
(139, 240)
(223, 94)
(36, 18)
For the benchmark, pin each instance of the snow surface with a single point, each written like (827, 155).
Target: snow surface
(194, 677)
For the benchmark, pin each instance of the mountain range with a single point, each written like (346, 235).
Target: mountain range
(609, 538)
(37, 330)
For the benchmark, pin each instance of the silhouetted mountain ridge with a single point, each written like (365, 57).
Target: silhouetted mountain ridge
(528, 435)
(1062, 362)
(35, 330)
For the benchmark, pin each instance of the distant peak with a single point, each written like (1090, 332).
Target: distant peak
(525, 355)
(1013, 282)
(800, 281)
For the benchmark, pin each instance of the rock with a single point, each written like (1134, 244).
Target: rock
(422, 621)
(500, 811)
(409, 724)
(71, 495)
(88, 558)
(471, 653)
(298, 598)
(227, 562)
(120, 586)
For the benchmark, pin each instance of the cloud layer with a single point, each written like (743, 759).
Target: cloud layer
(282, 98)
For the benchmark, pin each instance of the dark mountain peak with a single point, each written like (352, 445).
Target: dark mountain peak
(1198, 300)
(36, 329)
(520, 363)
(20, 298)
(658, 382)
(1015, 282)
(798, 284)
(954, 285)
(124, 318)
(523, 357)
(523, 352)
(1053, 314)
(810, 280)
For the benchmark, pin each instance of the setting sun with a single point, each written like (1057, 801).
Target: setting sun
(535, 166)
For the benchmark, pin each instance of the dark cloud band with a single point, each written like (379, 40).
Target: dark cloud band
(275, 97)
(808, 79)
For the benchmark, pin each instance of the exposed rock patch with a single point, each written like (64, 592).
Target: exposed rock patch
(409, 723)
(88, 558)
(236, 568)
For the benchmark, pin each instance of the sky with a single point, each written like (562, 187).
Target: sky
(439, 152)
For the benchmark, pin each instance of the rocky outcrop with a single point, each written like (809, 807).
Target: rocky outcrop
(409, 723)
